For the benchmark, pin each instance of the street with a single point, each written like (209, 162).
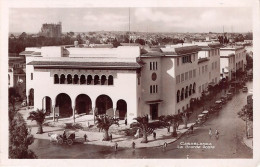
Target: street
(229, 144)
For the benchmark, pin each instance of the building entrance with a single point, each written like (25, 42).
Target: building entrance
(154, 111)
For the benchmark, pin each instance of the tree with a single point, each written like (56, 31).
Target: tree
(104, 122)
(39, 117)
(171, 120)
(146, 127)
(12, 94)
(19, 139)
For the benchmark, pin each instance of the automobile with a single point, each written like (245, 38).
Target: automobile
(229, 96)
(201, 118)
(23, 104)
(206, 113)
(223, 99)
(218, 104)
(244, 89)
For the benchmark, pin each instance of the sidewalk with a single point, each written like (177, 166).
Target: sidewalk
(248, 142)
(95, 138)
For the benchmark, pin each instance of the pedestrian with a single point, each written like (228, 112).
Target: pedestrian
(126, 121)
(154, 135)
(165, 145)
(168, 128)
(177, 125)
(133, 145)
(116, 146)
(64, 135)
(85, 137)
(216, 134)
(191, 128)
(110, 137)
(210, 132)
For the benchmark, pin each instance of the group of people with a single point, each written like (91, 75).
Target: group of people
(216, 133)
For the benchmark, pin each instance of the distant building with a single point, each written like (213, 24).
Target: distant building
(232, 60)
(51, 30)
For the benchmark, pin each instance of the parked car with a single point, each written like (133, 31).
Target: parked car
(229, 96)
(201, 118)
(223, 99)
(244, 89)
(206, 113)
(218, 104)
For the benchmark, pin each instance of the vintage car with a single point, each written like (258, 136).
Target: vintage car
(201, 118)
(223, 99)
(206, 112)
(244, 89)
(229, 96)
(218, 104)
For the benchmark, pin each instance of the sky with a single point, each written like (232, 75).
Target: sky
(193, 19)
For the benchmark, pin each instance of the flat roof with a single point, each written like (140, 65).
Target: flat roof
(85, 65)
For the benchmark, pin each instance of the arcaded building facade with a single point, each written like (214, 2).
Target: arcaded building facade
(123, 82)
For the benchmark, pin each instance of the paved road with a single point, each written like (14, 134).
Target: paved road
(229, 144)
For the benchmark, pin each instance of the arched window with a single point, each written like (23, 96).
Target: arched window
(103, 80)
(194, 87)
(110, 80)
(62, 79)
(69, 79)
(186, 92)
(178, 96)
(76, 79)
(182, 94)
(96, 80)
(89, 79)
(56, 79)
(190, 91)
(82, 79)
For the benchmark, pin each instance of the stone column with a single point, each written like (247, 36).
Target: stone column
(53, 108)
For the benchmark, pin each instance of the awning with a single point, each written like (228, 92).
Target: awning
(154, 101)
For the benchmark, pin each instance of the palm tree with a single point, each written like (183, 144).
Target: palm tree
(39, 117)
(171, 120)
(104, 122)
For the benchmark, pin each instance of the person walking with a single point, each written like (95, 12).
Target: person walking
(210, 132)
(191, 129)
(216, 134)
(154, 135)
(165, 146)
(110, 137)
(168, 128)
(116, 146)
(133, 145)
(126, 121)
(85, 137)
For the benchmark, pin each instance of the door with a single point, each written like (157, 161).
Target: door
(154, 111)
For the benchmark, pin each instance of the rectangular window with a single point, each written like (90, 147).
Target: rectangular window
(156, 65)
(190, 74)
(31, 76)
(151, 89)
(182, 77)
(156, 88)
(194, 73)
(215, 65)
(178, 79)
(186, 76)
(153, 66)
(150, 65)
(178, 61)
(193, 57)
(212, 66)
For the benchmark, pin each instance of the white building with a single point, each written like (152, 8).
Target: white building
(232, 60)
(208, 65)
(124, 82)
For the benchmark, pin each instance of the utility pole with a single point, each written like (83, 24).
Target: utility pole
(223, 35)
(129, 26)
